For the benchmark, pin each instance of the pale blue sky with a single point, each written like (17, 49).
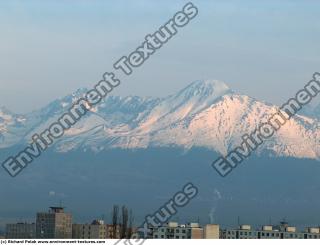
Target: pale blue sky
(266, 49)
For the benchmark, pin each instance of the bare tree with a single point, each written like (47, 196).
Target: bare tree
(115, 221)
(121, 222)
(130, 228)
(124, 223)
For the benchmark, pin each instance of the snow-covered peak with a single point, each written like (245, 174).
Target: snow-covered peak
(194, 98)
(205, 89)
(206, 113)
(212, 84)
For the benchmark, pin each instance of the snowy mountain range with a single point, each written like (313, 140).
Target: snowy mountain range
(206, 114)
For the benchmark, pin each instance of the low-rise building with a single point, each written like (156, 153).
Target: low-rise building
(96, 230)
(211, 231)
(20, 231)
(113, 233)
(282, 231)
(173, 230)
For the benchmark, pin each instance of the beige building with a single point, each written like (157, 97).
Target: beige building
(211, 231)
(110, 231)
(96, 230)
(20, 231)
(54, 224)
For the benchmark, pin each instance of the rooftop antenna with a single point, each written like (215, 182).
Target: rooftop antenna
(238, 220)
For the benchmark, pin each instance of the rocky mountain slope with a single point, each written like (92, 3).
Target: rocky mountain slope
(204, 114)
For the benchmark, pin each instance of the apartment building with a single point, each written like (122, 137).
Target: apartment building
(211, 231)
(113, 233)
(20, 231)
(54, 224)
(282, 231)
(96, 230)
(173, 230)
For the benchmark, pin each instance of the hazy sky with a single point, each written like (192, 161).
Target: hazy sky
(266, 49)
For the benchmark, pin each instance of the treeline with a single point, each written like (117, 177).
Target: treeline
(122, 222)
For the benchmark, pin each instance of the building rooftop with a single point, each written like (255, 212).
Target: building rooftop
(57, 209)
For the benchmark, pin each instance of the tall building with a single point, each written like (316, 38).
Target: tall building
(96, 230)
(54, 224)
(20, 231)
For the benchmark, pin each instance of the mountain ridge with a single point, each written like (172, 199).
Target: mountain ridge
(206, 113)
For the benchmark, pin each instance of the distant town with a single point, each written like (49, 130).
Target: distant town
(56, 223)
